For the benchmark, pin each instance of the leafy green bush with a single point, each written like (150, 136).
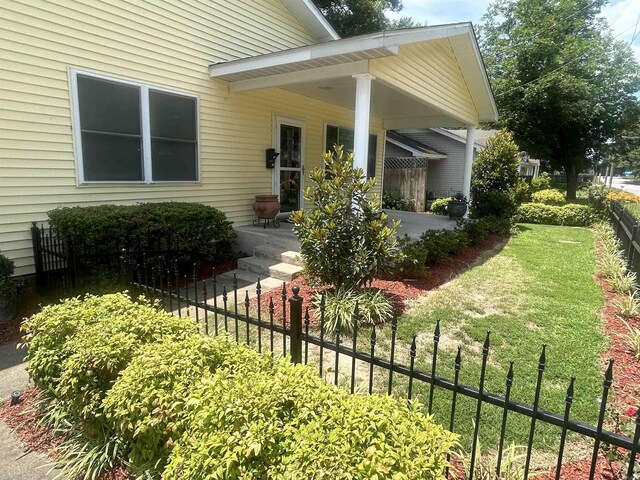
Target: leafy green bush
(344, 240)
(78, 348)
(549, 196)
(198, 231)
(9, 286)
(597, 198)
(494, 178)
(149, 411)
(47, 333)
(105, 348)
(439, 206)
(340, 304)
(288, 423)
(398, 203)
(572, 214)
(541, 182)
(412, 260)
(522, 192)
(441, 243)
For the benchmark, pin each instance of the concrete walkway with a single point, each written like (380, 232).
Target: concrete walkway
(15, 464)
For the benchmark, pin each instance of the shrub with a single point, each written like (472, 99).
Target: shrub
(628, 305)
(344, 240)
(9, 287)
(597, 198)
(632, 339)
(78, 348)
(440, 205)
(476, 230)
(339, 309)
(46, 334)
(198, 231)
(541, 182)
(623, 282)
(622, 197)
(412, 259)
(149, 411)
(288, 423)
(494, 178)
(611, 265)
(572, 214)
(550, 196)
(522, 192)
(441, 243)
(398, 203)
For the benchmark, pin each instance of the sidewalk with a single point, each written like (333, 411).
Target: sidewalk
(15, 464)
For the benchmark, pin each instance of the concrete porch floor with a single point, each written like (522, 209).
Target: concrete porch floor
(411, 223)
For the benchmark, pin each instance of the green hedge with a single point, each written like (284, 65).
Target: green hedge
(550, 196)
(177, 405)
(199, 231)
(435, 245)
(573, 215)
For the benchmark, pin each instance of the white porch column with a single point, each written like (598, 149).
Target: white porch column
(468, 162)
(361, 124)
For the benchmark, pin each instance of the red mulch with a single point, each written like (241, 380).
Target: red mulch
(23, 420)
(10, 331)
(398, 289)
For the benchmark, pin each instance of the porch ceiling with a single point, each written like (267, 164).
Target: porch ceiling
(325, 72)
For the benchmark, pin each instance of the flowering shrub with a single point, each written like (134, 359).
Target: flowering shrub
(439, 206)
(622, 197)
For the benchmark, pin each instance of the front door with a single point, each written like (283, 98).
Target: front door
(289, 171)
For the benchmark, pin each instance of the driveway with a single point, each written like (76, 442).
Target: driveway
(628, 185)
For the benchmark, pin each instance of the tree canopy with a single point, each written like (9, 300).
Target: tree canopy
(563, 84)
(357, 17)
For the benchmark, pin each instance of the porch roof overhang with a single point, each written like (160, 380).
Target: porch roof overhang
(325, 72)
(415, 148)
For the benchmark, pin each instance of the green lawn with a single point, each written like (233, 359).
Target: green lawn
(539, 288)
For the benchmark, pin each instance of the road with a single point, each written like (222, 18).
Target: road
(624, 184)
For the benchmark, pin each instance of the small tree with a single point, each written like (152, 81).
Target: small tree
(344, 240)
(494, 178)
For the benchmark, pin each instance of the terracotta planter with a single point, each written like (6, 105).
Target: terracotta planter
(266, 206)
(456, 209)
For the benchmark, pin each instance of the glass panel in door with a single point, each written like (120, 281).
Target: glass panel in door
(291, 168)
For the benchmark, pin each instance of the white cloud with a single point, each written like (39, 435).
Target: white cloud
(621, 14)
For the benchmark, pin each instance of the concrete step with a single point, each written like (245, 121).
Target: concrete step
(246, 278)
(275, 252)
(270, 268)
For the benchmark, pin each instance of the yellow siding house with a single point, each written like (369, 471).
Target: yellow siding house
(122, 101)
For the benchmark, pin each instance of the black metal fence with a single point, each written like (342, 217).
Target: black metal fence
(61, 264)
(229, 311)
(627, 230)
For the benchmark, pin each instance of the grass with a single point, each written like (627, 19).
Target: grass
(539, 289)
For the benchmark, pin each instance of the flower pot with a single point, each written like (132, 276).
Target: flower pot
(266, 206)
(456, 209)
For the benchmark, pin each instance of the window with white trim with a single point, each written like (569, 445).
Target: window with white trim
(129, 132)
(336, 135)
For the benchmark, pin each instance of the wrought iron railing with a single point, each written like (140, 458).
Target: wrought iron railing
(221, 311)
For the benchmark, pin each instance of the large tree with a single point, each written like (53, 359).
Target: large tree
(563, 84)
(357, 17)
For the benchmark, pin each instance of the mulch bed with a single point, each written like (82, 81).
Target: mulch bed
(398, 289)
(23, 420)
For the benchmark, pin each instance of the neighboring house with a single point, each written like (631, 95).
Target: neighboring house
(429, 163)
(425, 164)
(126, 101)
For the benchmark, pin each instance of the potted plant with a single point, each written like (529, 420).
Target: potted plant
(457, 206)
(9, 288)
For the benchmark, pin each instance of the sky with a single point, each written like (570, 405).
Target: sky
(622, 15)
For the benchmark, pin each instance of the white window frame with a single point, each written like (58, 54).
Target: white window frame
(147, 166)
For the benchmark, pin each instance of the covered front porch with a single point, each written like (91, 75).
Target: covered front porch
(413, 78)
